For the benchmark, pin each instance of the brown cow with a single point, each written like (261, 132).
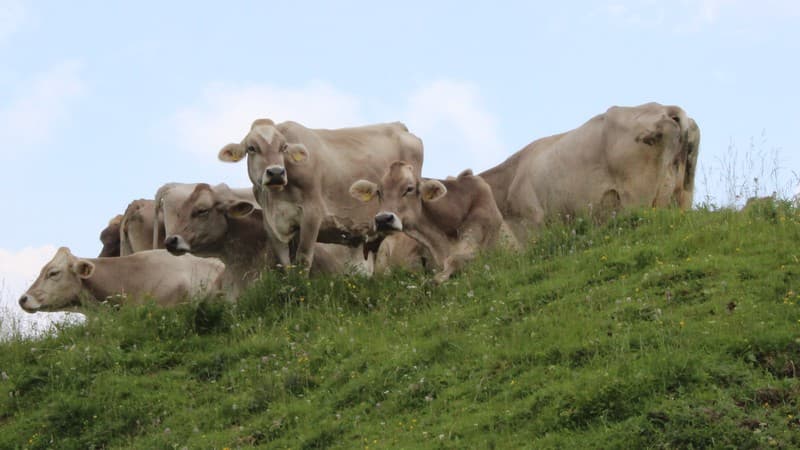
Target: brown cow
(452, 229)
(67, 283)
(301, 176)
(626, 157)
(217, 222)
(110, 238)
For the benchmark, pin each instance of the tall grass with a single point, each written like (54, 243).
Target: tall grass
(744, 173)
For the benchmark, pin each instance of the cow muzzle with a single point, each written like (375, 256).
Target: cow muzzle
(176, 245)
(274, 177)
(388, 221)
(28, 303)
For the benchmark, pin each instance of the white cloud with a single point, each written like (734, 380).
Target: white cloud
(451, 120)
(40, 108)
(18, 270)
(12, 15)
(225, 112)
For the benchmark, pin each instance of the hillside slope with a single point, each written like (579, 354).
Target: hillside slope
(658, 329)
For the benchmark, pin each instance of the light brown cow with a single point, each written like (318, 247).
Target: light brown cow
(110, 238)
(302, 177)
(136, 230)
(175, 194)
(67, 283)
(452, 218)
(626, 157)
(216, 222)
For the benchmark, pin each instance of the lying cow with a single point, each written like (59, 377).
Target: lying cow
(452, 230)
(300, 175)
(67, 282)
(110, 238)
(136, 231)
(627, 157)
(130, 232)
(213, 221)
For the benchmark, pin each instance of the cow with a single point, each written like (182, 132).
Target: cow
(137, 227)
(174, 194)
(452, 219)
(68, 283)
(301, 177)
(110, 238)
(626, 157)
(213, 221)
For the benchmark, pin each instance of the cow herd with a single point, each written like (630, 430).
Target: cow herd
(354, 200)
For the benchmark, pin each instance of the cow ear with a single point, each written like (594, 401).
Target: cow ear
(83, 268)
(432, 190)
(298, 153)
(363, 190)
(231, 153)
(240, 209)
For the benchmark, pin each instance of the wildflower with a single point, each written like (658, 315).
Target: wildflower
(681, 323)
(603, 258)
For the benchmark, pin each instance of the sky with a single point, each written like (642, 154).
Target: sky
(103, 102)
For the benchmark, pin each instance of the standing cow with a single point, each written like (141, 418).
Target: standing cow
(302, 178)
(627, 157)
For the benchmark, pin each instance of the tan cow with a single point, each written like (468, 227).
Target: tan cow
(302, 177)
(217, 222)
(110, 238)
(175, 194)
(136, 230)
(626, 157)
(452, 218)
(66, 282)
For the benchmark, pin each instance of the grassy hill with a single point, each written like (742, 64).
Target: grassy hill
(659, 329)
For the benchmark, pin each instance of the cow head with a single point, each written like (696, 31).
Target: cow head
(400, 194)
(268, 154)
(59, 285)
(110, 238)
(199, 222)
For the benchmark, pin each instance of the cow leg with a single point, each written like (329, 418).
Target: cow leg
(309, 229)
(463, 252)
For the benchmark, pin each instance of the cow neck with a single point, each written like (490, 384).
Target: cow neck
(245, 251)
(110, 277)
(431, 238)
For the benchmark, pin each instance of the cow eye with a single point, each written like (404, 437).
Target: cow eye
(283, 148)
(53, 273)
(200, 212)
(409, 190)
(251, 149)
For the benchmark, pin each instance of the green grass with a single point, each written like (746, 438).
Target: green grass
(659, 329)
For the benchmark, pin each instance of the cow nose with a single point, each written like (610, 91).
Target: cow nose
(23, 300)
(276, 172)
(383, 219)
(171, 242)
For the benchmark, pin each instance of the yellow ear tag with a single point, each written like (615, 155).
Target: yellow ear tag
(298, 156)
(366, 196)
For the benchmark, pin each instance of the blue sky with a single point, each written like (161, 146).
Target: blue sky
(102, 102)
